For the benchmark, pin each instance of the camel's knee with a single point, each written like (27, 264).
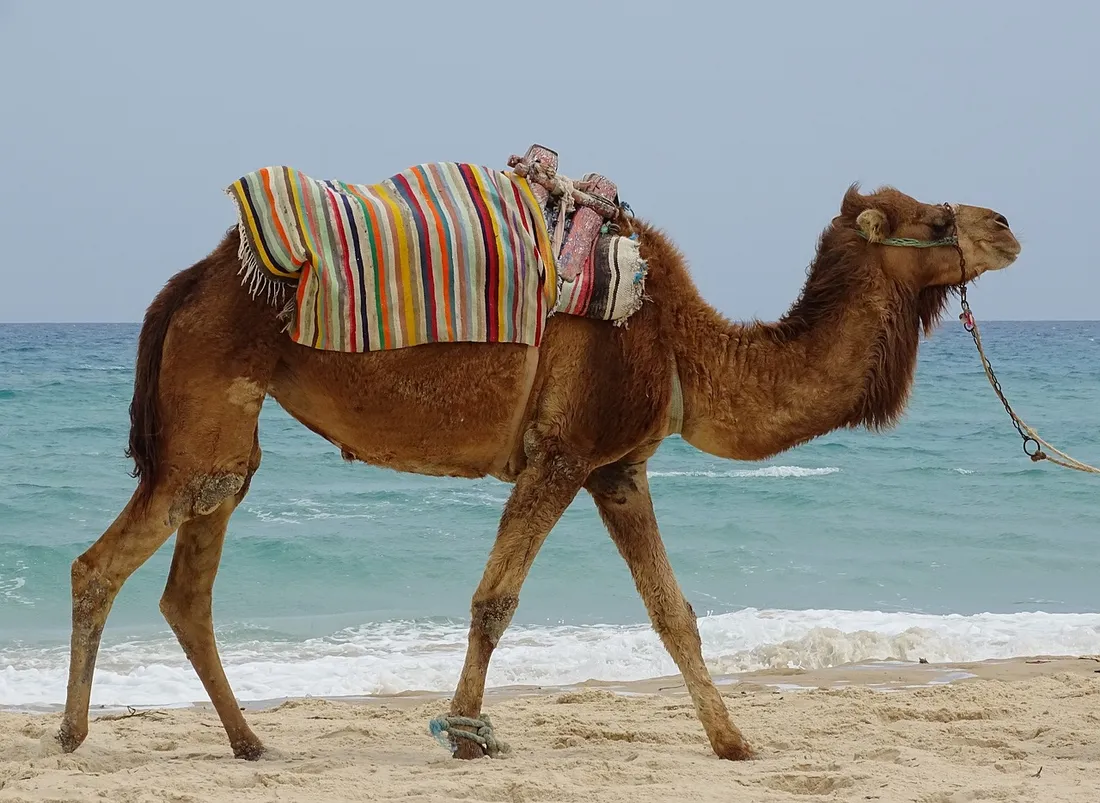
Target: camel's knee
(91, 590)
(491, 617)
(205, 493)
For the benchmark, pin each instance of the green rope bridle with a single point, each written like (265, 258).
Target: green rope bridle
(909, 242)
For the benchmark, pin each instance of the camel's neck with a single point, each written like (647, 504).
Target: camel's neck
(753, 391)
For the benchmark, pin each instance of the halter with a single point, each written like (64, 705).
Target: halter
(950, 240)
(909, 242)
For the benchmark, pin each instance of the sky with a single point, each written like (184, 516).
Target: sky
(735, 127)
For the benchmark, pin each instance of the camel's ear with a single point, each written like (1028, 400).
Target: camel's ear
(872, 223)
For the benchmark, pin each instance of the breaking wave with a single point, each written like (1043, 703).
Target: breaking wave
(781, 472)
(394, 657)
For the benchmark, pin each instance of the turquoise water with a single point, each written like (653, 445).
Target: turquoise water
(936, 540)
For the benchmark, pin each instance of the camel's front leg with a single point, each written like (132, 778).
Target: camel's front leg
(541, 494)
(621, 493)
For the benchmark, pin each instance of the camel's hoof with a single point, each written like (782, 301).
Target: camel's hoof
(69, 739)
(249, 751)
(734, 750)
(468, 750)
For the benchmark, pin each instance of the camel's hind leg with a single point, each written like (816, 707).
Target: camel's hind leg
(209, 454)
(621, 493)
(97, 576)
(187, 605)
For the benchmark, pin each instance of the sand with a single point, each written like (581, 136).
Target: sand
(1009, 730)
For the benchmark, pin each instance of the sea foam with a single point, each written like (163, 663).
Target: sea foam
(777, 472)
(394, 657)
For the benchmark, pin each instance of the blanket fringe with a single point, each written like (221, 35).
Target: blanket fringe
(255, 278)
(633, 306)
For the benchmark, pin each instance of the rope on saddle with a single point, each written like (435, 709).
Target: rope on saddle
(482, 733)
(570, 195)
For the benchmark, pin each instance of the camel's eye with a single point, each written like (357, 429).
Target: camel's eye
(940, 229)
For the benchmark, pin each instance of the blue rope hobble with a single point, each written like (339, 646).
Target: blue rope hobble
(482, 733)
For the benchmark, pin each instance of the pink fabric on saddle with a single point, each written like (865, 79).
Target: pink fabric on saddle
(578, 243)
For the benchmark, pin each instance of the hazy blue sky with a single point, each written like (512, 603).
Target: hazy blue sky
(736, 127)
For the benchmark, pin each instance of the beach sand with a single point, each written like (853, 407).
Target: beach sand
(1026, 730)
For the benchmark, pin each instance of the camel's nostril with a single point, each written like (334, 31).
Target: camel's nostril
(1001, 219)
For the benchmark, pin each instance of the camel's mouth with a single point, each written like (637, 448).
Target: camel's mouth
(986, 239)
(1003, 249)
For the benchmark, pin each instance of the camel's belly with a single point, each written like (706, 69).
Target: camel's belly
(442, 410)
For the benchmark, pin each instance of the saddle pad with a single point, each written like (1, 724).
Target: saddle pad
(441, 252)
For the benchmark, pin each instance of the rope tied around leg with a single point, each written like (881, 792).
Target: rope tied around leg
(482, 733)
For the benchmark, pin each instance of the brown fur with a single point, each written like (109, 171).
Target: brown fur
(144, 406)
(208, 356)
(144, 423)
(837, 277)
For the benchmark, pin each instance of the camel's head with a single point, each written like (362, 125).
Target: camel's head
(927, 245)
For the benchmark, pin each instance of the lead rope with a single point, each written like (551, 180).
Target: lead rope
(1033, 444)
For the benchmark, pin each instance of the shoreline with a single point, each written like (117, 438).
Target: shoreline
(881, 675)
(397, 656)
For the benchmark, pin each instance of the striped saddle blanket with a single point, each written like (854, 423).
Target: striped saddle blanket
(442, 252)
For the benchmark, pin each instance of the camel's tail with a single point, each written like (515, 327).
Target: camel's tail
(144, 408)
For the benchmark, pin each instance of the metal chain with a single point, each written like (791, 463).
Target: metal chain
(970, 325)
(1032, 443)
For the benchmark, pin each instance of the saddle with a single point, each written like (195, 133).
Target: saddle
(575, 211)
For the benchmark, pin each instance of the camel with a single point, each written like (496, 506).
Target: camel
(601, 400)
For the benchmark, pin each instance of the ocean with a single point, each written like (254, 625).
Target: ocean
(937, 540)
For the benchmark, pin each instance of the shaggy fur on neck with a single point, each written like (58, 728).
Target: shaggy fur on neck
(846, 272)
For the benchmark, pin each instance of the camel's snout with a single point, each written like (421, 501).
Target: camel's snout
(987, 240)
